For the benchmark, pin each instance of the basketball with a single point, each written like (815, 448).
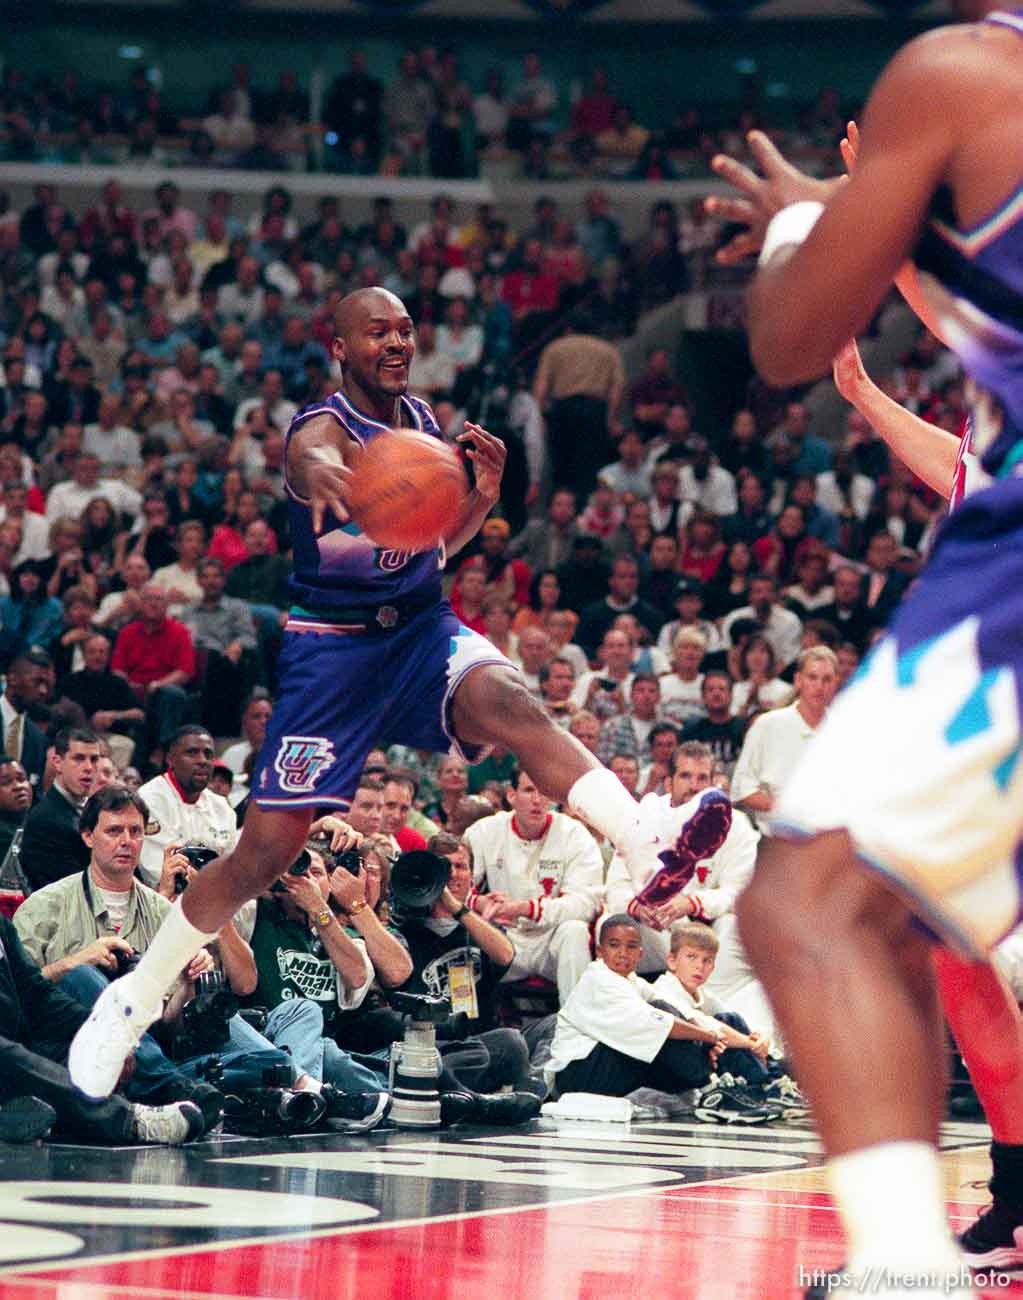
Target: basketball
(407, 490)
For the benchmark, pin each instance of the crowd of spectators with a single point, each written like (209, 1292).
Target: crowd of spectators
(423, 120)
(677, 597)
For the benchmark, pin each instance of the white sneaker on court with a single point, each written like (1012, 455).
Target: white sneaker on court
(100, 1048)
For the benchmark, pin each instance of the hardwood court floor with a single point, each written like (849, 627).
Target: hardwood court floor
(554, 1211)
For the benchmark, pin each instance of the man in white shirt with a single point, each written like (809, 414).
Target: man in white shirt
(35, 531)
(182, 809)
(782, 628)
(631, 471)
(776, 740)
(717, 881)
(70, 498)
(114, 444)
(705, 484)
(539, 874)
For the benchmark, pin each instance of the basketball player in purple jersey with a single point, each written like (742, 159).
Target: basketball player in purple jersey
(902, 824)
(373, 654)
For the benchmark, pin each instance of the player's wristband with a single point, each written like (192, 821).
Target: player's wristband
(790, 226)
(457, 916)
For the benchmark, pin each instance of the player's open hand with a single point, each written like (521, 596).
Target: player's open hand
(328, 480)
(760, 196)
(488, 455)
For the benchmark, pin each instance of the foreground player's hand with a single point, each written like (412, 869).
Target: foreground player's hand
(328, 479)
(849, 372)
(488, 455)
(761, 196)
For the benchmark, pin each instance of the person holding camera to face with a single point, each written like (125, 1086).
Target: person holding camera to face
(458, 955)
(184, 810)
(91, 927)
(308, 964)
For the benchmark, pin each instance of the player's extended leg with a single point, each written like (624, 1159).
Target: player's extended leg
(850, 980)
(986, 1023)
(270, 841)
(491, 705)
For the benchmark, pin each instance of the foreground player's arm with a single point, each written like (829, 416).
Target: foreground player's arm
(929, 452)
(320, 457)
(810, 297)
(907, 281)
(488, 455)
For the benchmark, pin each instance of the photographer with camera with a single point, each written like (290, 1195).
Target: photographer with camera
(307, 965)
(92, 926)
(458, 955)
(183, 809)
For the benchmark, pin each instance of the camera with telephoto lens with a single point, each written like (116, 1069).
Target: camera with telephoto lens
(418, 879)
(273, 1110)
(198, 856)
(205, 1020)
(414, 1076)
(299, 867)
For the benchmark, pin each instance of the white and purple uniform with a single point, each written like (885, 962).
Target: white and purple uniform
(372, 652)
(919, 757)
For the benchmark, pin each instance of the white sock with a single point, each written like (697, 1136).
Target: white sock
(600, 799)
(892, 1201)
(309, 1084)
(173, 947)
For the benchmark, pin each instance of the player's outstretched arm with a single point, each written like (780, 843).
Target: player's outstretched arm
(929, 452)
(320, 459)
(810, 297)
(488, 455)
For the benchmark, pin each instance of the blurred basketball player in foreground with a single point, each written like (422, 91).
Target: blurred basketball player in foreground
(902, 824)
(373, 654)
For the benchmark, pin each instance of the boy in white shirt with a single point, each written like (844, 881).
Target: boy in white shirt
(691, 959)
(613, 1036)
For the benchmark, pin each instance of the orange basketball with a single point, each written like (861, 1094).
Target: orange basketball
(407, 490)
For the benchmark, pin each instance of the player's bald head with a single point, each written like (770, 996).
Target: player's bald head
(359, 307)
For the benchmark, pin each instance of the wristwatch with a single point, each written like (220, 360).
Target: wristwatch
(357, 907)
(323, 918)
(457, 916)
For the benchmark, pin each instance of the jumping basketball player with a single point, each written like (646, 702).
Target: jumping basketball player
(981, 1010)
(373, 654)
(908, 800)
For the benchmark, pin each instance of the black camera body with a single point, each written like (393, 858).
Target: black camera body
(299, 867)
(350, 860)
(126, 962)
(204, 1020)
(418, 878)
(198, 856)
(421, 1008)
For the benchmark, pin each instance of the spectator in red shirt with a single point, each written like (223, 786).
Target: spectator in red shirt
(399, 791)
(654, 392)
(156, 654)
(595, 111)
(504, 576)
(528, 288)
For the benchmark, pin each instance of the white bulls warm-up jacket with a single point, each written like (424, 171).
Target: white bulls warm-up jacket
(561, 874)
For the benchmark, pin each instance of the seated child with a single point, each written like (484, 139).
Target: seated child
(691, 957)
(612, 1035)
